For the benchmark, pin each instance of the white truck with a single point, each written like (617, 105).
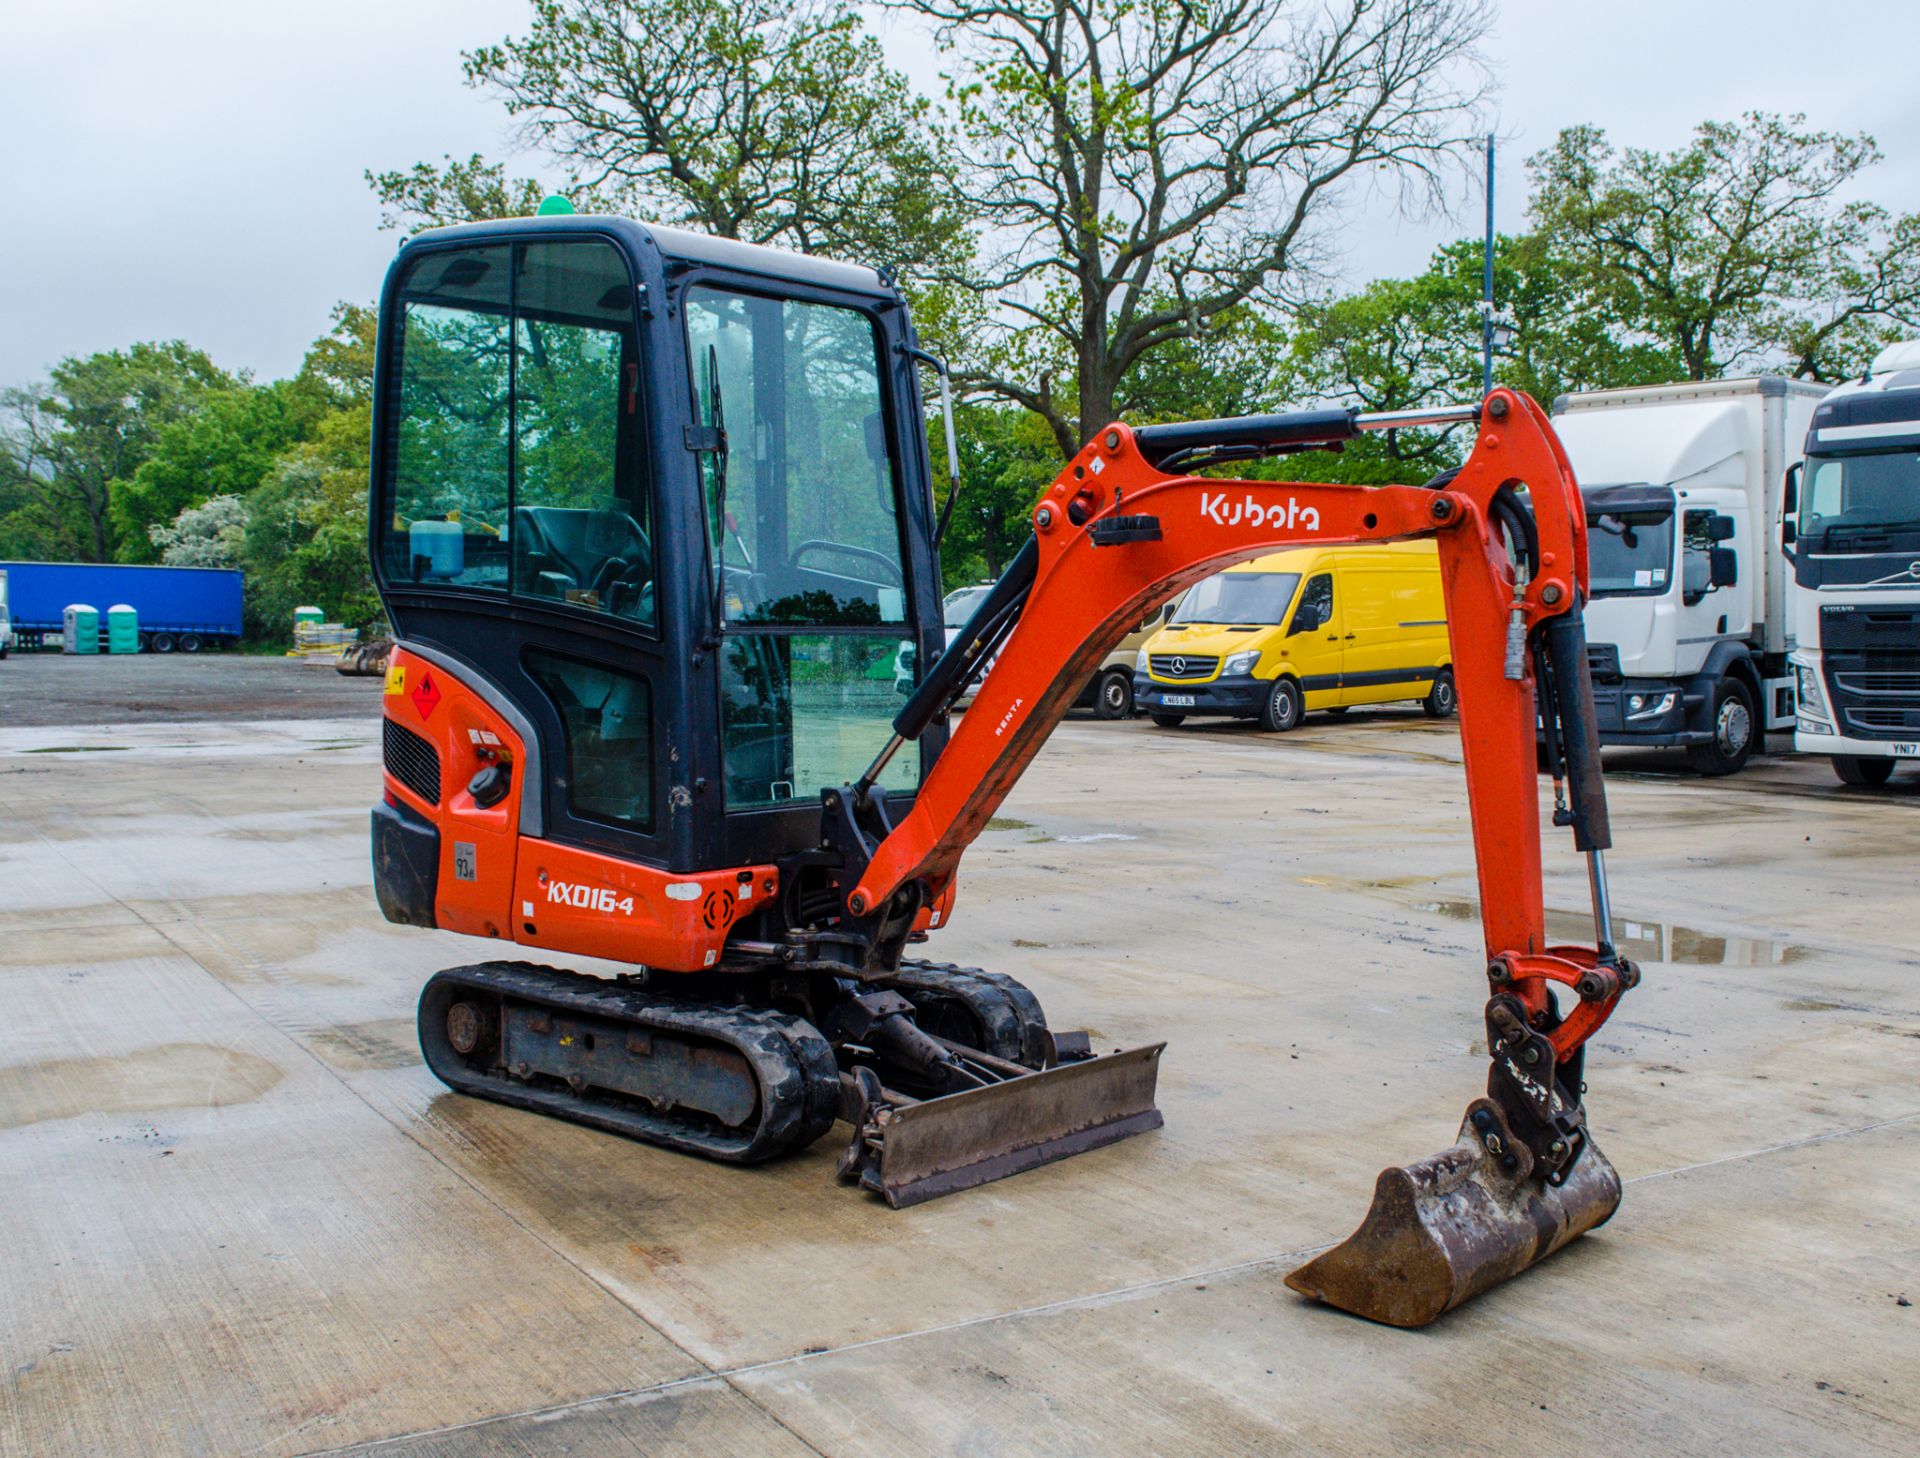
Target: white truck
(1687, 629)
(1852, 535)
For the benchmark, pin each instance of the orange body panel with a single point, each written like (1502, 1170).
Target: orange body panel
(534, 891)
(593, 905)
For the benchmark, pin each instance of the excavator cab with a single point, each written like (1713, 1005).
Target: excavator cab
(651, 514)
(659, 499)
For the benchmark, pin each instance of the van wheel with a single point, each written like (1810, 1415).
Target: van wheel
(1168, 721)
(1443, 698)
(1113, 699)
(1734, 732)
(1856, 771)
(1283, 707)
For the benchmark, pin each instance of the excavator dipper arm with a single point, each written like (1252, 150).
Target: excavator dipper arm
(1121, 531)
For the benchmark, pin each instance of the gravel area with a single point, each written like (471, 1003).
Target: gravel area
(53, 688)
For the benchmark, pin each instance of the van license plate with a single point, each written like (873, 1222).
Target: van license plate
(1185, 701)
(1908, 750)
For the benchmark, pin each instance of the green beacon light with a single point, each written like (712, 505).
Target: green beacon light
(554, 206)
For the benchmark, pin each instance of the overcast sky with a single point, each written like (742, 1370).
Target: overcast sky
(193, 169)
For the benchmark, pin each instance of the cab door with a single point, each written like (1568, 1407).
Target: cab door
(1313, 643)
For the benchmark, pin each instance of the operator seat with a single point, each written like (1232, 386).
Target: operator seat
(564, 550)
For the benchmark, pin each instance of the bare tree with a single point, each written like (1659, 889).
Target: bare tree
(1141, 168)
(773, 121)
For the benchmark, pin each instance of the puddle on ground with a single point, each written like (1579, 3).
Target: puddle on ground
(170, 1076)
(1007, 822)
(80, 749)
(1646, 941)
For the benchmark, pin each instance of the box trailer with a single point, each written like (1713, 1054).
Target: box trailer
(181, 609)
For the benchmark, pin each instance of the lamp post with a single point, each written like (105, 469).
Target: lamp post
(1486, 287)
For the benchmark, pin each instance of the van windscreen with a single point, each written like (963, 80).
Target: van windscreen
(1239, 598)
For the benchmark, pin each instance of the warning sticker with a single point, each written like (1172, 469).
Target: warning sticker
(426, 697)
(397, 679)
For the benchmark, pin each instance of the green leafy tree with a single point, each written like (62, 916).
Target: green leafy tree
(1007, 460)
(754, 119)
(93, 423)
(1735, 249)
(223, 448)
(1142, 170)
(306, 532)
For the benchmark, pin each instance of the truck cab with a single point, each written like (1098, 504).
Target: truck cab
(1687, 627)
(1851, 531)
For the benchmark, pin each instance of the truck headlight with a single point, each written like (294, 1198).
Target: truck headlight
(1140, 661)
(1649, 706)
(1813, 702)
(1241, 663)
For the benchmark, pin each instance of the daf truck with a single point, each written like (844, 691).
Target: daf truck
(1851, 532)
(1687, 632)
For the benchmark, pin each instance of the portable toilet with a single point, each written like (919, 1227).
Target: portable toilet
(80, 626)
(123, 629)
(307, 614)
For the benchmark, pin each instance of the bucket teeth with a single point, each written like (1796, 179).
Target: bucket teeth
(1446, 1228)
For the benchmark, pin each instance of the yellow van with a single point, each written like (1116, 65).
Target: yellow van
(1313, 628)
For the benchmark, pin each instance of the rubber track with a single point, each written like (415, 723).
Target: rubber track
(1005, 1008)
(799, 1081)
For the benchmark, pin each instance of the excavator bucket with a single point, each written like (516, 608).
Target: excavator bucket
(908, 1151)
(1446, 1228)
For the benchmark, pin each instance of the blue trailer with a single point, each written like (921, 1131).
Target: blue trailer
(181, 609)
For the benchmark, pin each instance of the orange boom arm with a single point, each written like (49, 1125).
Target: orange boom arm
(1086, 596)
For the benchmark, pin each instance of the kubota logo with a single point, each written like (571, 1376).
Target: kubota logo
(588, 898)
(1219, 511)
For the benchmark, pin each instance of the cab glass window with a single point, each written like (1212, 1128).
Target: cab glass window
(518, 460)
(797, 468)
(1316, 605)
(451, 449)
(580, 522)
(608, 719)
(1238, 598)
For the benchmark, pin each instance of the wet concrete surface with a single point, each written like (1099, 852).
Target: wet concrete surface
(243, 1219)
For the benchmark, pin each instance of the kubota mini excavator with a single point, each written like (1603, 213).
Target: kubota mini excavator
(652, 514)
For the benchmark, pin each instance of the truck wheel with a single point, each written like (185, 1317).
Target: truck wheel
(1168, 721)
(1854, 770)
(1735, 732)
(1283, 708)
(189, 642)
(1113, 698)
(1443, 698)
(163, 642)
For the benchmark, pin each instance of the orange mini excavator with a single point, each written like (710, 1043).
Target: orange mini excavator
(654, 521)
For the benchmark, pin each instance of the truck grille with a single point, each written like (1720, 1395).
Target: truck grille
(1879, 683)
(1883, 719)
(1182, 665)
(411, 760)
(1603, 662)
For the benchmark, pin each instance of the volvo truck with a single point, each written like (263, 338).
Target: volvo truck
(1687, 630)
(1851, 532)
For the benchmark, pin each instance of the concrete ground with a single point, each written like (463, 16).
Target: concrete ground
(242, 1219)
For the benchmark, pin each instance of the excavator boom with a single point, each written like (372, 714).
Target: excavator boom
(1124, 528)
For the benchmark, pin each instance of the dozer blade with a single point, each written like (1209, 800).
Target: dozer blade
(909, 1152)
(1450, 1226)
